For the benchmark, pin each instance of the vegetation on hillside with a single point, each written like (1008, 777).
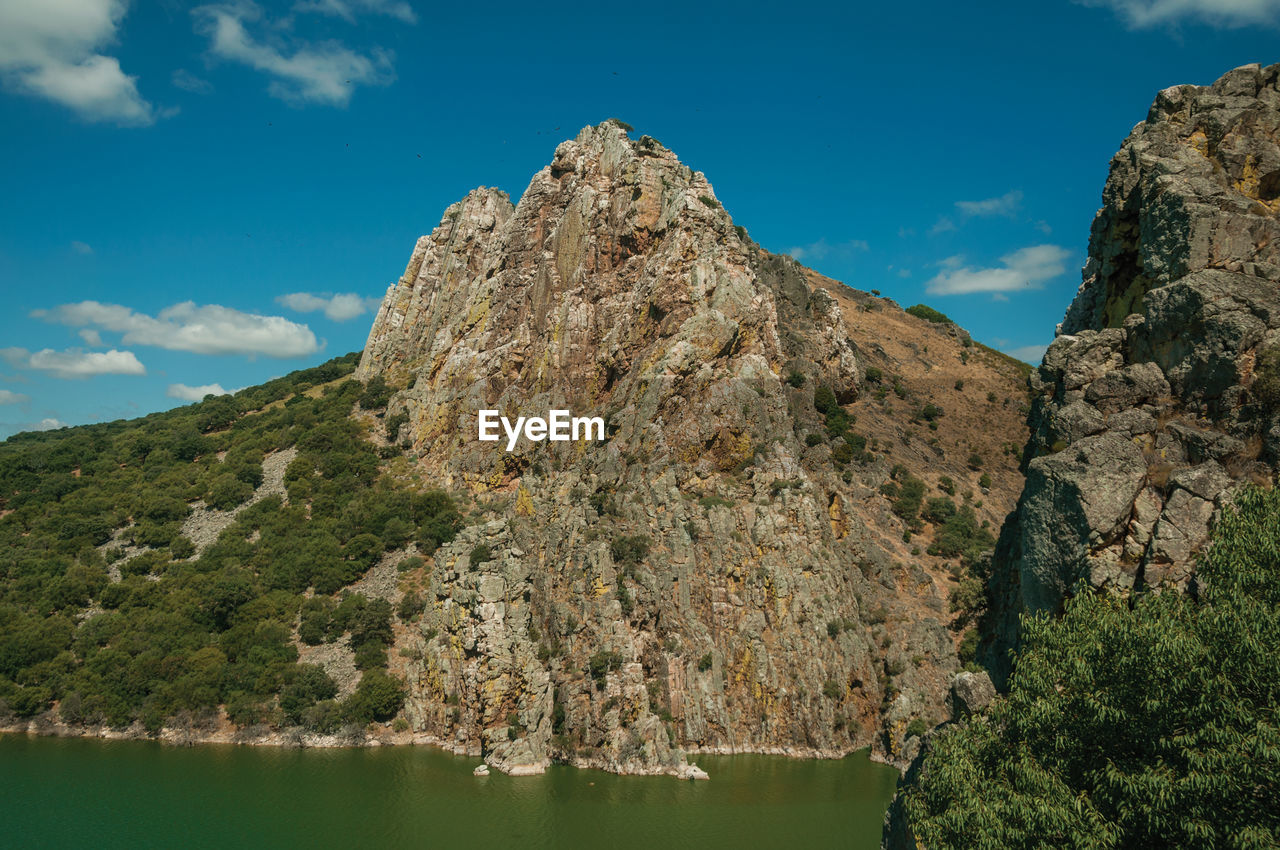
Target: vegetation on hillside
(1148, 721)
(107, 610)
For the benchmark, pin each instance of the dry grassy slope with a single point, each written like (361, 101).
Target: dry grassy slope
(929, 360)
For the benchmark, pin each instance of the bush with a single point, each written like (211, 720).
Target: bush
(923, 311)
(795, 378)
(917, 728)
(629, 550)
(479, 555)
(874, 375)
(705, 662)
(602, 663)
(831, 689)
(377, 697)
(910, 495)
(226, 492)
(376, 394)
(1146, 721)
(939, 510)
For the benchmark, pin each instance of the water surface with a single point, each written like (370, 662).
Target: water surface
(90, 793)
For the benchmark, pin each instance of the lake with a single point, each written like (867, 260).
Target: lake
(91, 793)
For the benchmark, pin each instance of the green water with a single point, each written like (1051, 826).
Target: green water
(86, 793)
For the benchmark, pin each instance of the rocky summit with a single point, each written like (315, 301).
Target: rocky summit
(724, 572)
(1159, 398)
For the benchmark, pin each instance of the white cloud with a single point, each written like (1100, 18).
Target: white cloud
(1026, 268)
(189, 393)
(1006, 205)
(50, 49)
(74, 363)
(208, 329)
(81, 247)
(321, 72)
(1142, 14)
(348, 9)
(339, 307)
(10, 397)
(49, 424)
(187, 81)
(91, 337)
(1032, 354)
(943, 225)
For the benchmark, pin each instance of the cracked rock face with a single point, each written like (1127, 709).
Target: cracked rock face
(619, 287)
(1148, 412)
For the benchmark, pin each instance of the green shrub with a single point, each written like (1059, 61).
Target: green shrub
(603, 662)
(831, 689)
(630, 550)
(917, 728)
(479, 555)
(379, 697)
(795, 378)
(1142, 721)
(376, 394)
(705, 662)
(923, 311)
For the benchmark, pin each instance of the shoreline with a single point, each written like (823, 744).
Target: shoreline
(225, 734)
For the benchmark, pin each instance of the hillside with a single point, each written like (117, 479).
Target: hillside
(779, 547)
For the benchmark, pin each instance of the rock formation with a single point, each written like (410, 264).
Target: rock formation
(1158, 398)
(705, 579)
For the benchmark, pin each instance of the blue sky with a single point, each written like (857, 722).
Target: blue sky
(202, 197)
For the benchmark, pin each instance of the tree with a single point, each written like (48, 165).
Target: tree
(377, 697)
(1150, 721)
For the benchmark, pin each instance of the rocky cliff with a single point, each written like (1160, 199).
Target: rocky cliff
(1158, 398)
(722, 573)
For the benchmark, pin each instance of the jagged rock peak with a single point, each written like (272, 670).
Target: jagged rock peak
(1195, 186)
(705, 563)
(1151, 408)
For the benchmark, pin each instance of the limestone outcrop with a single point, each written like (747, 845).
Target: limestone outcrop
(1157, 399)
(707, 579)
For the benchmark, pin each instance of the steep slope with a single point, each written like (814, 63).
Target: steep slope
(1159, 397)
(723, 572)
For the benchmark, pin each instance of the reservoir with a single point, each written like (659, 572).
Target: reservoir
(92, 793)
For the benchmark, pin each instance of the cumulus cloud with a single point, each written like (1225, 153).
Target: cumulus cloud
(339, 307)
(1026, 268)
(208, 329)
(91, 337)
(1032, 354)
(10, 397)
(348, 9)
(1143, 14)
(74, 363)
(189, 393)
(187, 81)
(8, 429)
(303, 72)
(1005, 205)
(52, 49)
